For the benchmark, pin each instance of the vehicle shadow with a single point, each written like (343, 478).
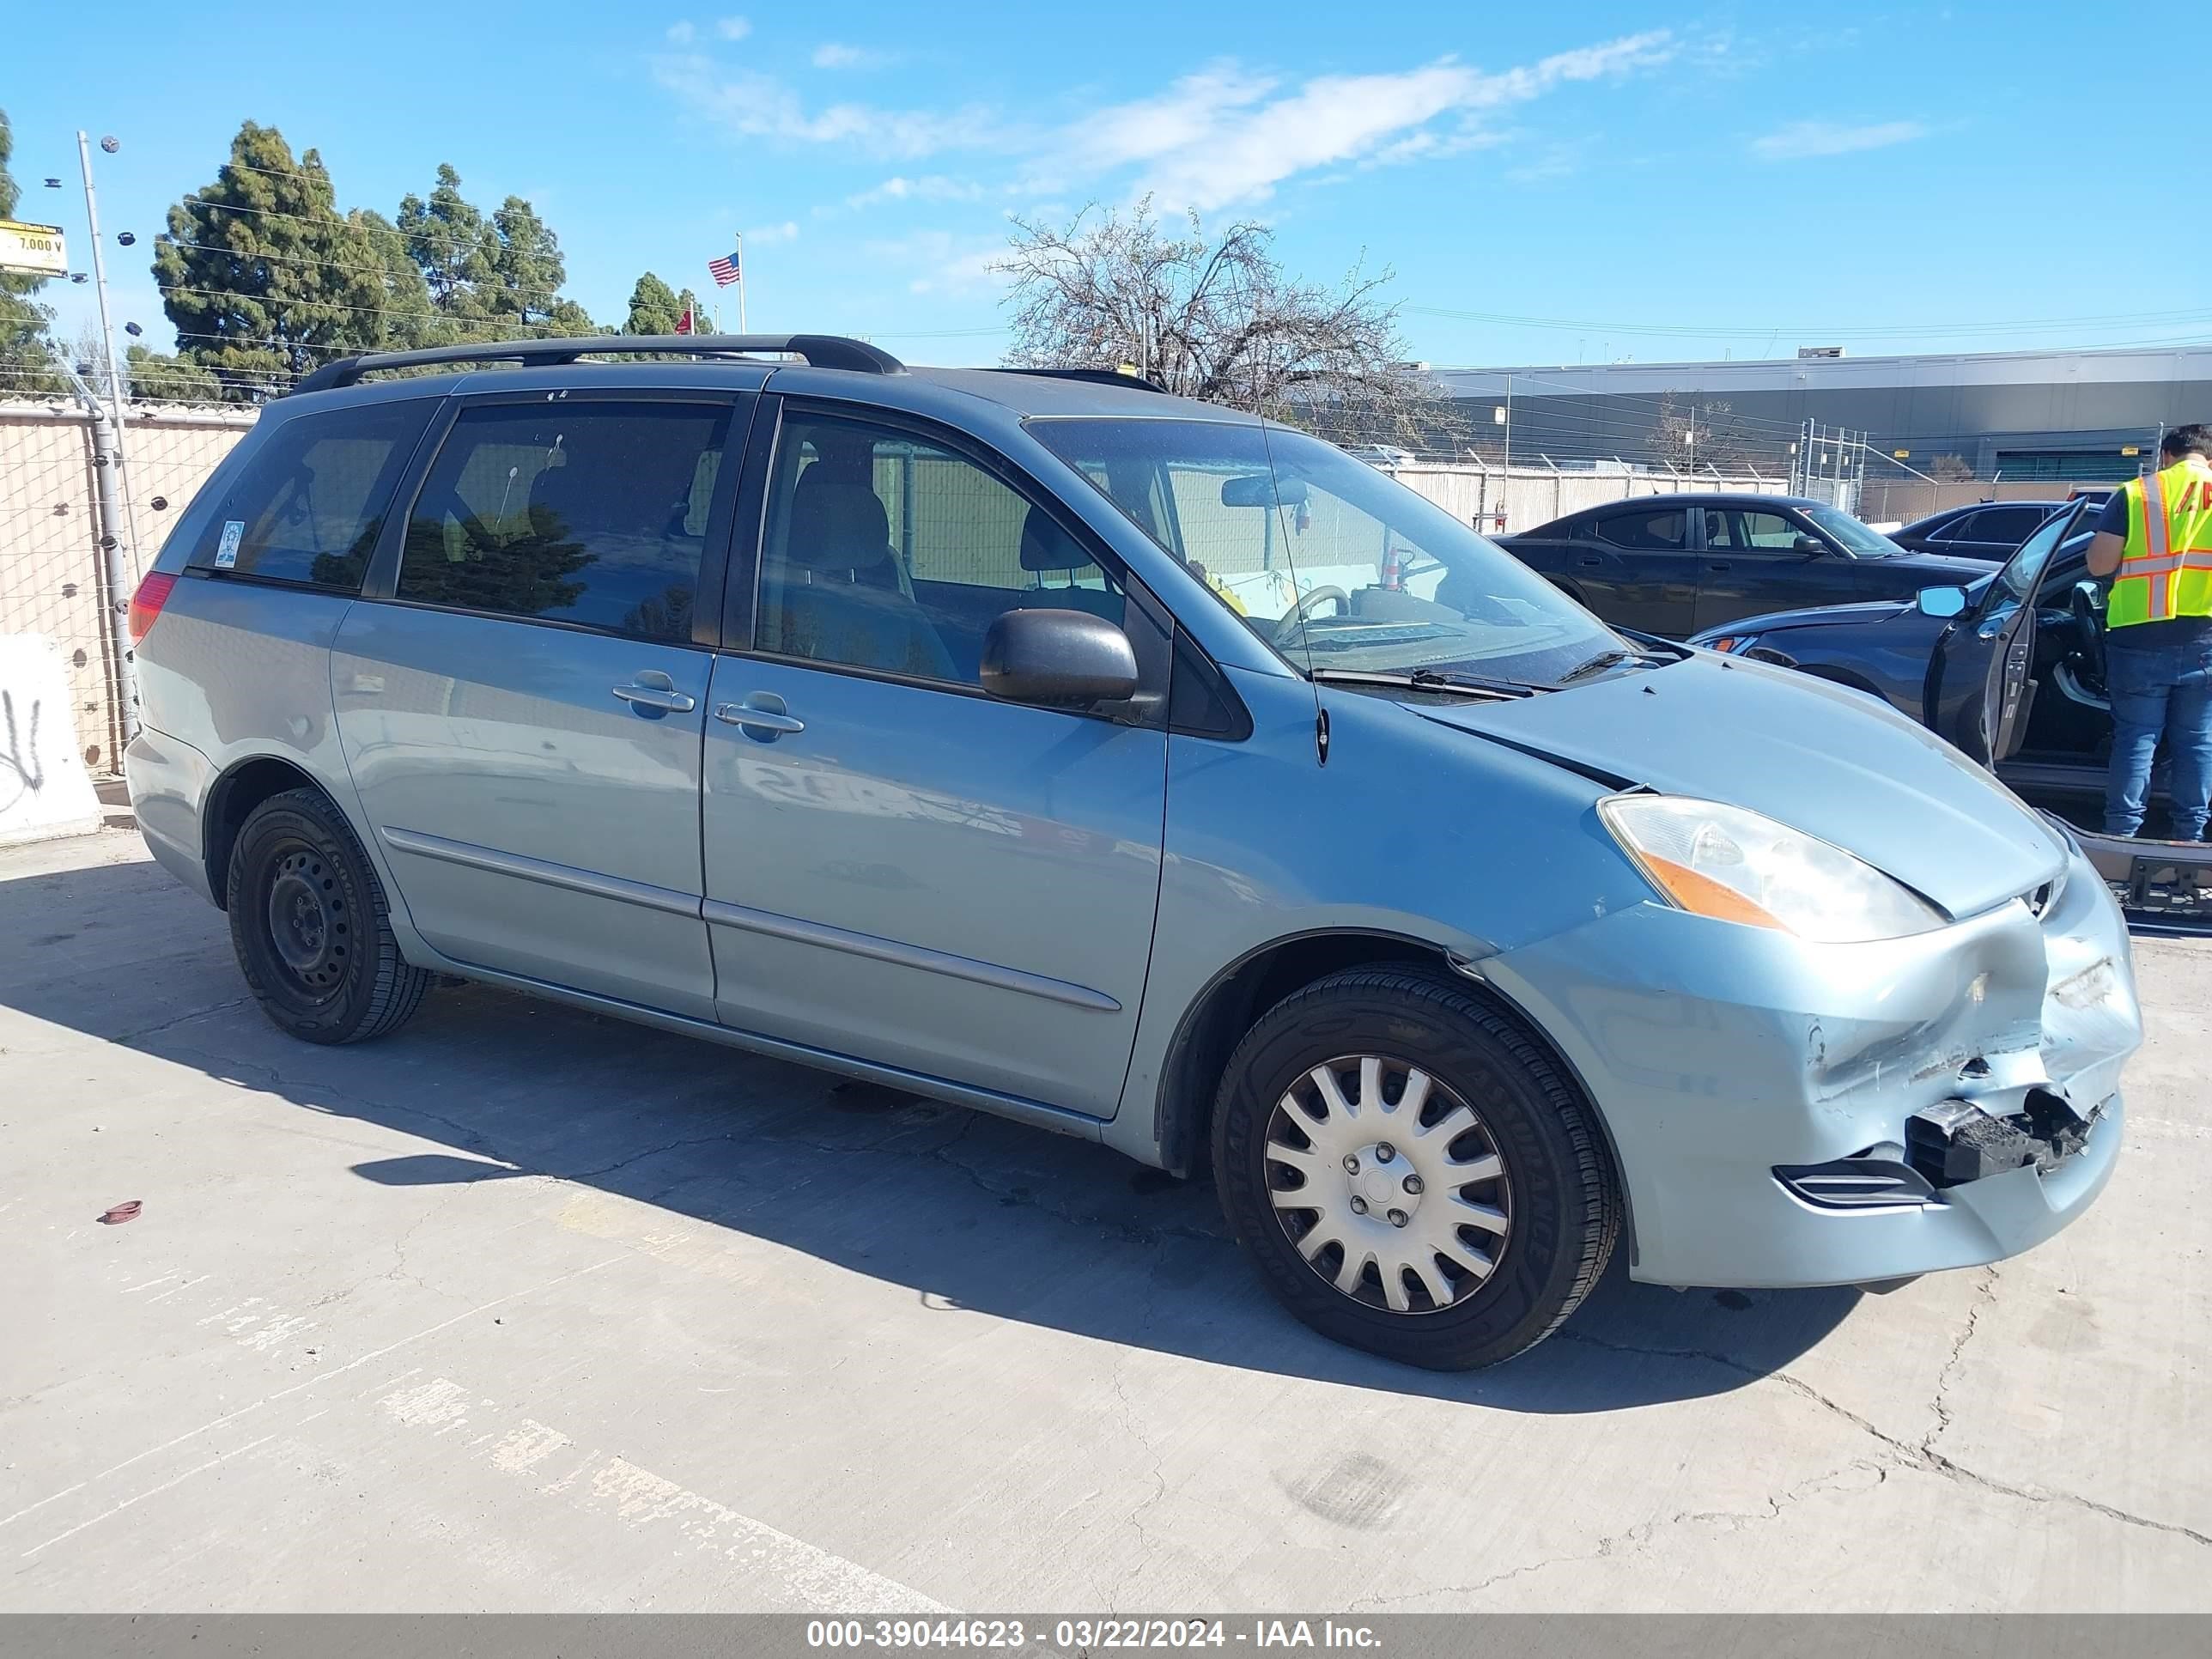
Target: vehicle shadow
(960, 1208)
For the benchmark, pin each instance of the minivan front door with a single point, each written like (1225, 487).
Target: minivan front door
(523, 710)
(898, 868)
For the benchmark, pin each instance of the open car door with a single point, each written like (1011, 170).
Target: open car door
(2010, 690)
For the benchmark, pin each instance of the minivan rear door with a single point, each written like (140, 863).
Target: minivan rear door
(522, 693)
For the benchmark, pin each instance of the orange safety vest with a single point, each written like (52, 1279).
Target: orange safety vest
(2165, 570)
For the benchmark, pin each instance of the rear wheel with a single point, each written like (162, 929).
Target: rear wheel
(1410, 1172)
(309, 922)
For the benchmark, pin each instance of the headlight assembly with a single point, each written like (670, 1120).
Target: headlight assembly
(1736, 866)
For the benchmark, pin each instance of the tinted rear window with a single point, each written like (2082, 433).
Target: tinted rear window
(308, 508)
(1659, 531)
(593, 513)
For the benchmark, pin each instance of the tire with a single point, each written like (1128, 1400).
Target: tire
(1528, 1163)
(309, 923)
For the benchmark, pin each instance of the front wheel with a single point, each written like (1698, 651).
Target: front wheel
(307, 920)
(1410, 1172)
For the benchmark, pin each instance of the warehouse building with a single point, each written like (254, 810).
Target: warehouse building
(2012, 416)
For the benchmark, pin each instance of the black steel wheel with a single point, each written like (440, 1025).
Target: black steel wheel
(309, 924)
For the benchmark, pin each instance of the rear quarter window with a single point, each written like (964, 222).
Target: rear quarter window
(310, 504)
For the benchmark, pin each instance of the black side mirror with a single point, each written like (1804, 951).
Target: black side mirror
(1811, 546)
(1058, 659)
(1940, 602)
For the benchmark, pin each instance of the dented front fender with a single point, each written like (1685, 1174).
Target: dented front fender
(1718, 1052)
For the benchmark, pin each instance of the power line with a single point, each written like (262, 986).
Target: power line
(331, 265)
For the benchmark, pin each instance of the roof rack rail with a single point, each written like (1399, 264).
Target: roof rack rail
(1097, 376)
(820, 351)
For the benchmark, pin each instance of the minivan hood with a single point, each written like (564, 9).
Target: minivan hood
(1820, 758)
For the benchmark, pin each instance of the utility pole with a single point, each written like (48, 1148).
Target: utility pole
(107, 485)
(108, 336)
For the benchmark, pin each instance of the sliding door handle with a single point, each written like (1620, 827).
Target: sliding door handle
(753, 715)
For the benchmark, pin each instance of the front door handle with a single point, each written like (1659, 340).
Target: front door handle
(1591, 558)
(761, 714)
(660, 699)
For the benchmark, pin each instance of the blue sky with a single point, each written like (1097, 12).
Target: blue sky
(1648, 182)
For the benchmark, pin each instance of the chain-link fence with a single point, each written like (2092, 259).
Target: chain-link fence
(52, 576)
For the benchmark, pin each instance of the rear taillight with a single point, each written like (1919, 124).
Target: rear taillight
(146, 604)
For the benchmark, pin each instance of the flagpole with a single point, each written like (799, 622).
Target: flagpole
(741, 282)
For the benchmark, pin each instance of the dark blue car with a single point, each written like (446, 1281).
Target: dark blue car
(2010, 668)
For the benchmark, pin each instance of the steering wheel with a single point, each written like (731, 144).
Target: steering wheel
(1294, 619)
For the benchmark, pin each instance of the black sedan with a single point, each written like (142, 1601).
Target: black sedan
(1980, 530)
(1673, 565)
(2010, 668)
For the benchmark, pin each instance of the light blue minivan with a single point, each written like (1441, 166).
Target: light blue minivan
(1038, 742)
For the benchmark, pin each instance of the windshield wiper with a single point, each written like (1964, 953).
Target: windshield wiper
(1603, 659)
(1427, 679)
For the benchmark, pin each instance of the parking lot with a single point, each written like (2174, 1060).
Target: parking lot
(525, 1309)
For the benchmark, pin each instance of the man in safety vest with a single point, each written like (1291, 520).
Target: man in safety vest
(2154, 539)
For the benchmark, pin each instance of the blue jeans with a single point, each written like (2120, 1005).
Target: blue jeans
(2159, 689)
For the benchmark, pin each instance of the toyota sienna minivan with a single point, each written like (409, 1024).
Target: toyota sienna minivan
(1043, 744)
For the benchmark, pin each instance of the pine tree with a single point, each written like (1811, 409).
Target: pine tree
(453, 252)
(261, 276)
(493, 279)
(528, 272)
(654, 308)
(172, 380)
(410, 318)
(26, 363)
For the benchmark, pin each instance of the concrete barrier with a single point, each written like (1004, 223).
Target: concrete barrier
(45, 791)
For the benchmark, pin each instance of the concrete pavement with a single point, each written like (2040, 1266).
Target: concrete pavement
(524, 1309)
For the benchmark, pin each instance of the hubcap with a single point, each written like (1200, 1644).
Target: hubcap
(307, 918)
(1390, 1184)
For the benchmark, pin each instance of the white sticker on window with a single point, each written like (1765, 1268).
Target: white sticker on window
(226, 551)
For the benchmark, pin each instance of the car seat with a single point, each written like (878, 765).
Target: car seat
(1048, 550)
(834, 595)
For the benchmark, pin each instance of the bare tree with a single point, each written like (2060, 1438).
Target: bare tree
(1216, 318)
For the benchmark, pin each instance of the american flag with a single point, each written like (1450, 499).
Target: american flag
(724, 270)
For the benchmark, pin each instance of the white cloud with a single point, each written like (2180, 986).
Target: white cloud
(769, 235)
(934, 187)
(836, 55)
(681, 34)
(1227, 135)
(735, 28)
(752, 105)
(1802, 139)
(1223, 135)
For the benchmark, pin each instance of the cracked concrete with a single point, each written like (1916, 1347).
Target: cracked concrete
(521, 1309)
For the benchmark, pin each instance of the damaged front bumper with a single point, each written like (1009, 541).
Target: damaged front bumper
(2161, 886)
(1788, 1113)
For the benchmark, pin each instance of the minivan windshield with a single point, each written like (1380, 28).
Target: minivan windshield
(1332, 564)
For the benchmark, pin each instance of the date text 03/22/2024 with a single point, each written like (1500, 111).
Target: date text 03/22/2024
(1088, 1635)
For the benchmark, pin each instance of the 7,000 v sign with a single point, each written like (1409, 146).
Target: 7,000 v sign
(34, 250)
